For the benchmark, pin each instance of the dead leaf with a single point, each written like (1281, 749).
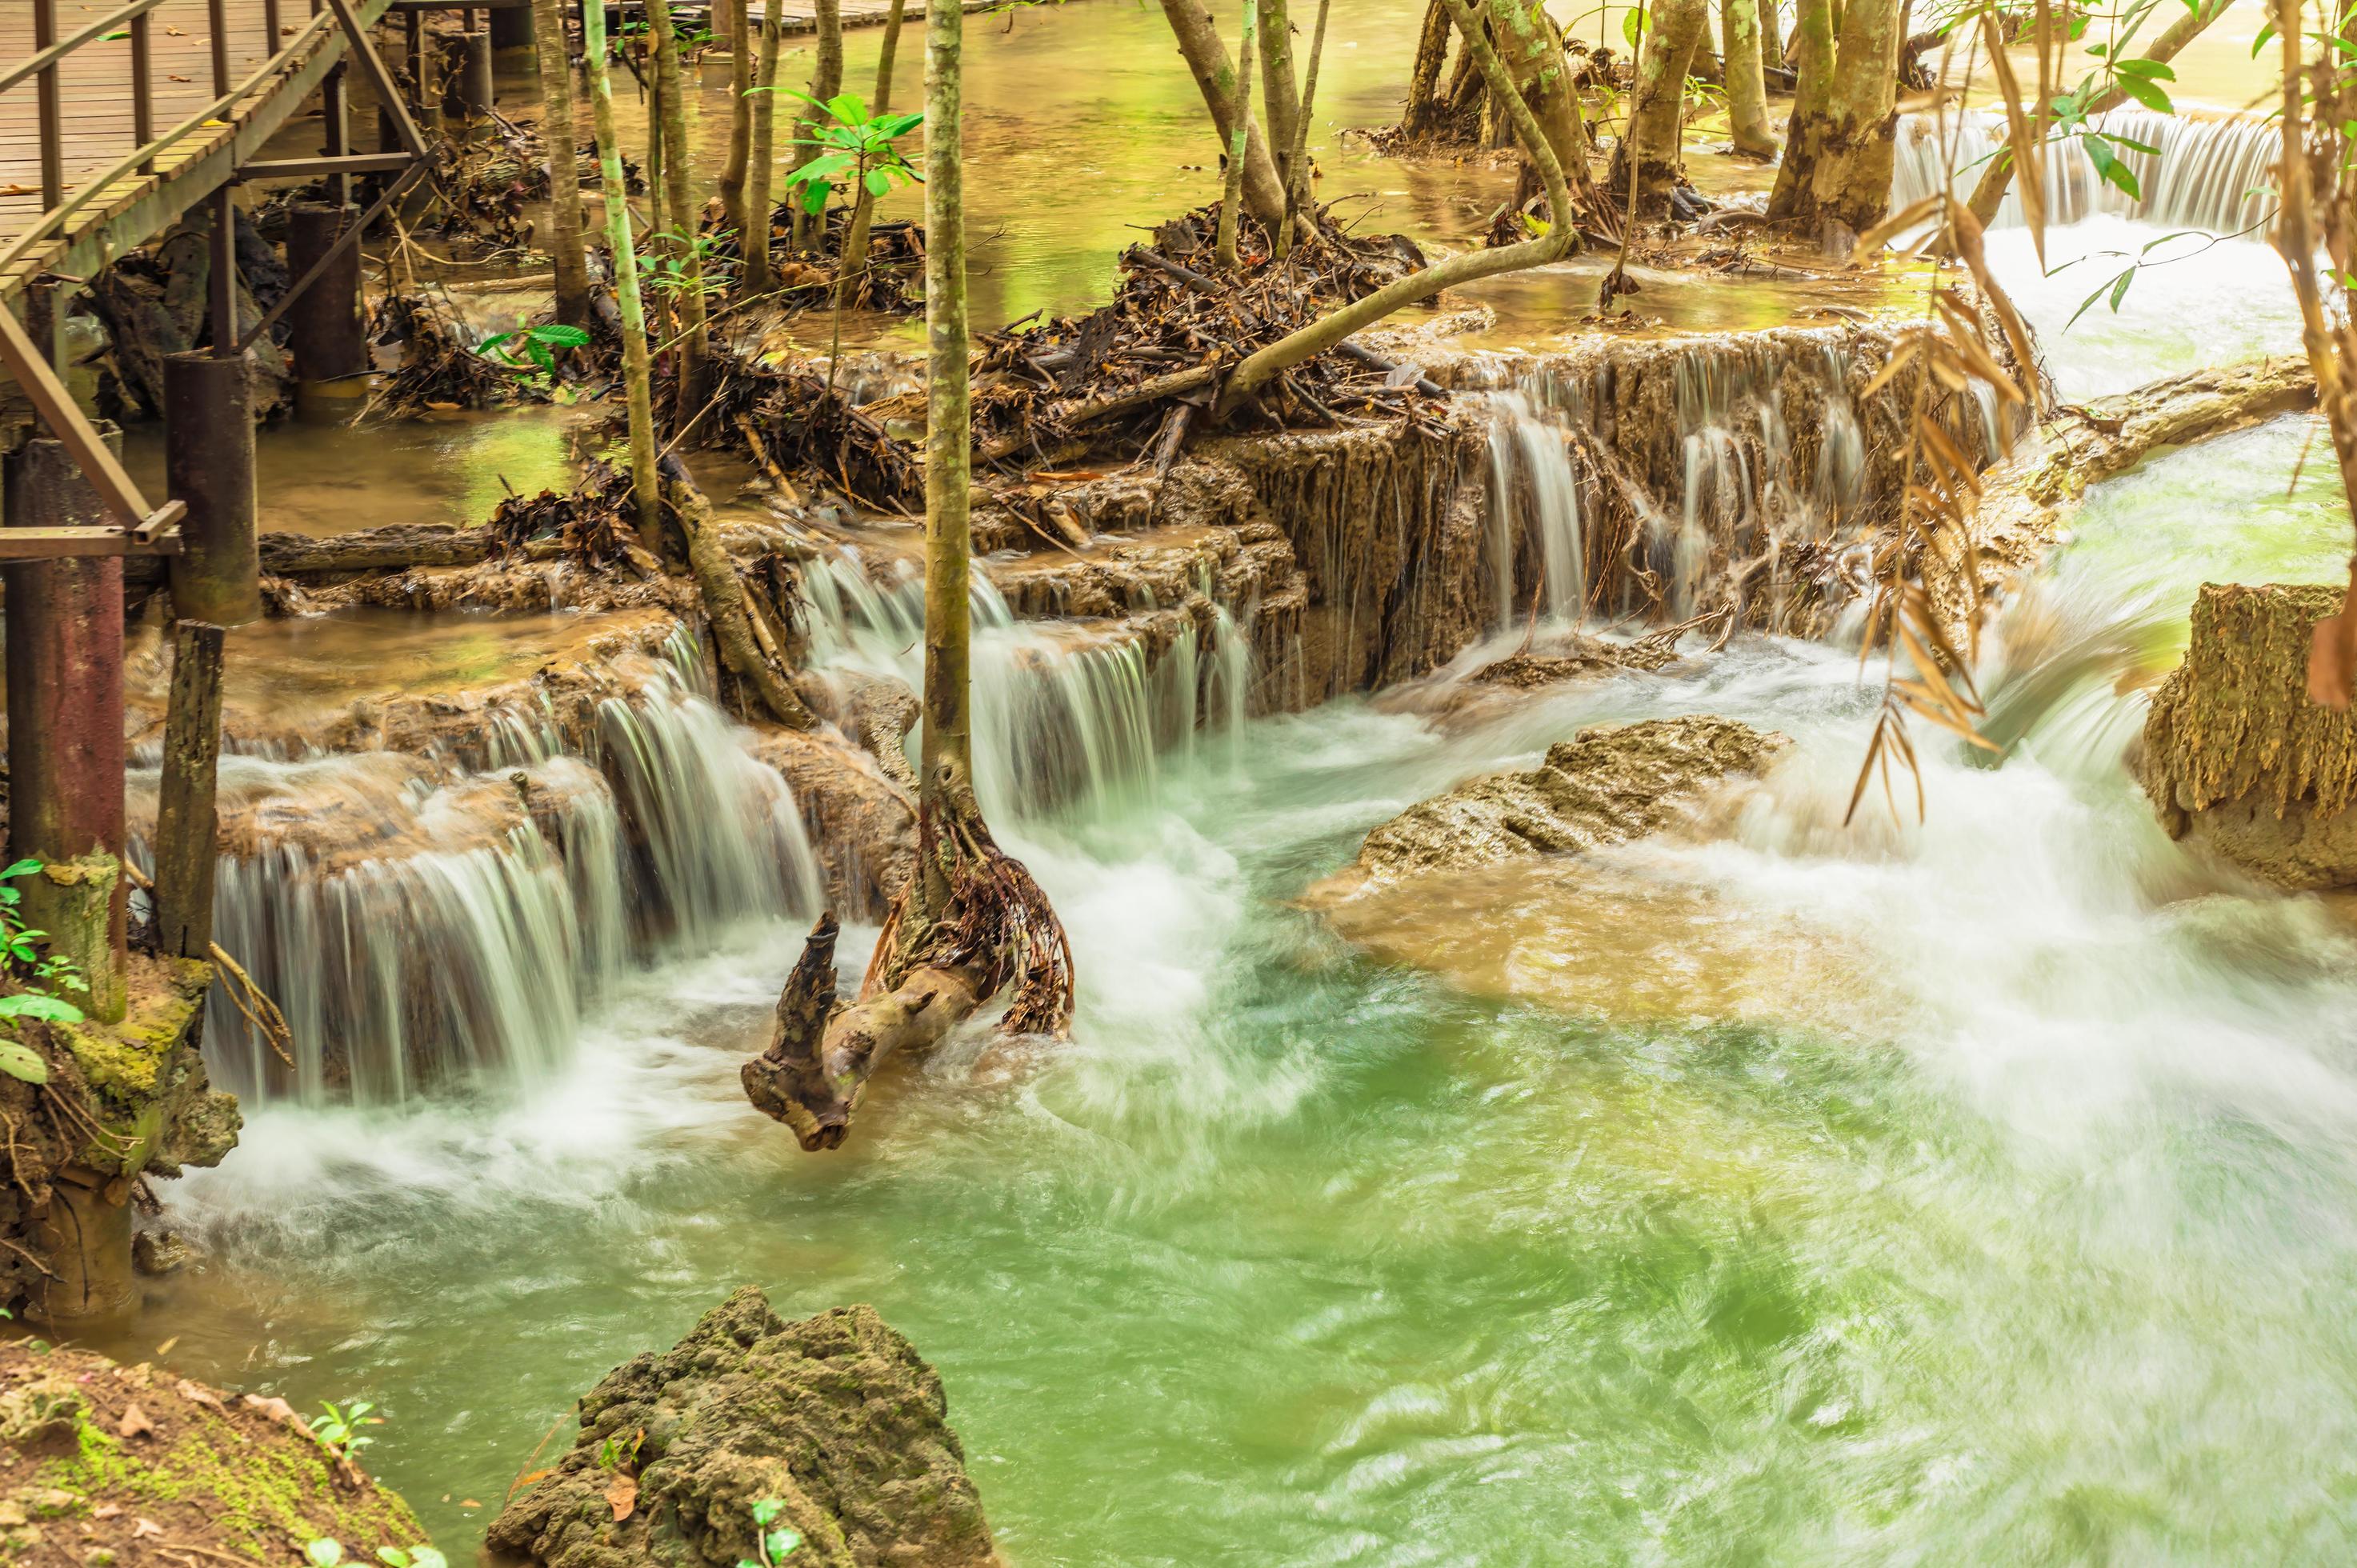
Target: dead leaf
(142, 1529)
(15, 190)
(171, 78)
(523, 1481)
(134, 1423)
(623, 1496)
(107, 1510)
(469, 1503)
(274, 1407)
(191, 1391)
(165, 1347)
(174, 32)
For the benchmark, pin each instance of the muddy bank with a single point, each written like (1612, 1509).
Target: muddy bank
(104, 1464)
(2236, 758)
(829, 1437)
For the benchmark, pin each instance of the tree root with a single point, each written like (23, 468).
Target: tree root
(995, 929)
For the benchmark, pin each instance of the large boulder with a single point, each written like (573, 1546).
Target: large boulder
(101, 1464)
(2236, 758)
(1606, 785)
(831, 1428)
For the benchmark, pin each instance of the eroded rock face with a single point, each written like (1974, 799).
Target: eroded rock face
(1606, 785)
(2236, 759)
(835, 1420)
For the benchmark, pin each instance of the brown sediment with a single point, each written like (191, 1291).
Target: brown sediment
(2237, 760)
(832, 1428)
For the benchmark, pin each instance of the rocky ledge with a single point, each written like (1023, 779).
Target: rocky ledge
(827, 1439)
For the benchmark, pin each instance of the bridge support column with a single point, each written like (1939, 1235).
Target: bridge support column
(64, 642)
(469, 96)
(209, 463)
(326, 334)
(512, 36)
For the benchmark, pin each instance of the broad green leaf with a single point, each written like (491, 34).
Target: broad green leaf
(34, 1005)
(2150, 70)
(22, 868)
(562, 336)
(1633, 24)
(2146, 93)
(394, 1557)
(2120, 288)
(324, 1553)
(22, 1062)
(2266, 31)
(876, 181)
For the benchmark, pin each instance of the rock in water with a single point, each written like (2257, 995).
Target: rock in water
(1606, 785)
(2236, 758)
(831, 1429)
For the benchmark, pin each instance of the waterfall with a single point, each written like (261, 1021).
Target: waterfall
(417, 930)
(1534, 499)
(1066, 713)
(2216, 175)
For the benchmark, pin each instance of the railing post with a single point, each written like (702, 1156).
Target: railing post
(337, 124)
(143, 88)
(217, 15)
(53, 130)
(270, 25)
(221, 283)
(64, 644)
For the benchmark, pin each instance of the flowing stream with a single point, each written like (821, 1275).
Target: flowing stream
(1978, 1188)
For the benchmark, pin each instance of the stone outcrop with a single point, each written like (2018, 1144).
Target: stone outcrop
(831, 1429)
(102, 1463)
(862, 827)
(2236, 758)
(1606, 785)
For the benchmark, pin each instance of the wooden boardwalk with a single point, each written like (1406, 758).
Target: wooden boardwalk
(97, 114)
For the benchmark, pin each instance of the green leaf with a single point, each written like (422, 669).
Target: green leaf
(324, 1553)
(814, 198)
(2150, 70)
(2146, 93)
(2266, 31)
(394, 1557)
(892, 127)
(22, 868)
(38, 1004)
(2108, 166)
(22, 1062)
(427, 1557)
(877, 180)
(2120, 288)
(766, 1511)
(1633, 24)
(562, 336)
(778, 1543)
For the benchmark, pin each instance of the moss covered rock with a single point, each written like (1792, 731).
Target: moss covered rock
(831, 1429)
(105, 1464)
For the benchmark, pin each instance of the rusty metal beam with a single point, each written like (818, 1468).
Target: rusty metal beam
(313, 169)
(60, 544)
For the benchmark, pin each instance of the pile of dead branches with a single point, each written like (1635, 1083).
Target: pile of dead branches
(590, 524)
(805, 279)
(1141, 372)
(442, 367)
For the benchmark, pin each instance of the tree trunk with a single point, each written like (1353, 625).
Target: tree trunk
(1532, 51)
(826, 81)
(646, 489)
(1657, 122)
(761, 159)
(1771, 36)
(1997, 177)
(1835, 174)
(948, 759)
(723, 594)
(1426, 106)
(1747, 89)
(851, 267)
(1280, 100)
(678, 174)
(1223, 246)
(1215, 78)
(737, 16)
(1297, 196)
(566, 247)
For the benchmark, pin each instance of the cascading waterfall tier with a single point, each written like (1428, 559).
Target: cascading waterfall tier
(420, 924)
(2217, 174)
(1065, 713)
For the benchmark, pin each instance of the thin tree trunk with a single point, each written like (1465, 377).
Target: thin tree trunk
(1215, 78)
(1280, 100)
(1996, 176)
(1297, 196)
(1426, 106)
(566, 247)
(1232, 195)
(1560, 240)
(826, 81)
(1532, 51)
(679, 175)
(762, 158)
(1838, 152)
(1747, 89)
(947, 776)
(851, 267)
(1657, 121)
(739, 19)
(646, 489)
(1771, 36)
(654, 147)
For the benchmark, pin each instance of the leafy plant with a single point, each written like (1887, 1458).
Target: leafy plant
(855, 150)
(45, 976)
(323, 1552)
(411, 1557)
(775, 1541)
(527, 349)
(662, 269)
(339, 1428)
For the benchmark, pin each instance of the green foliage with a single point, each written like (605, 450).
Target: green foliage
(411, 1557)
(323, 1552)
(339, 1428)
(44, 977)
(776, 1541)
(855, 150)
(527, 349)
(662, 268)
